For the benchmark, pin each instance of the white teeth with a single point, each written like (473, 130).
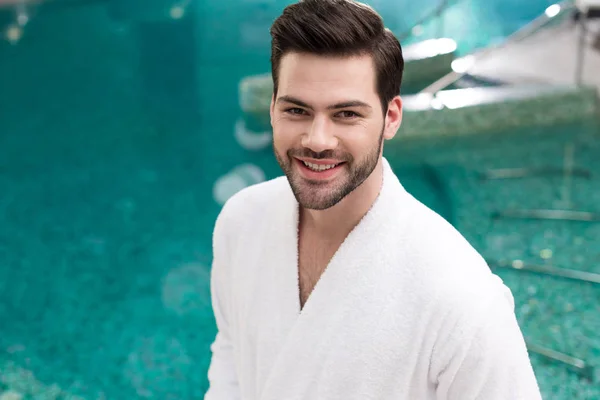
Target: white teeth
(318, 167)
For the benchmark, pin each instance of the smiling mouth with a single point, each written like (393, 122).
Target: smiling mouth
(319, 172)
(320, 167)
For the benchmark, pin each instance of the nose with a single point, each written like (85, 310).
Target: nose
(320, 136)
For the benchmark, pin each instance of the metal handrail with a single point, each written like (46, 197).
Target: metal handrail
(577, 365)
(522, 33)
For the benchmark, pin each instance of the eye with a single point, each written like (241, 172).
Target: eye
(295, 111)
(348, 114)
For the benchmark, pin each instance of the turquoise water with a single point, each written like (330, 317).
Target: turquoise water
(117, 128)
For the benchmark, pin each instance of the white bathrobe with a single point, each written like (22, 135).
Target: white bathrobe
(406, 309)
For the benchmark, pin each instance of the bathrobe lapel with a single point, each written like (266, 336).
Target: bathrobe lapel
(344, 282)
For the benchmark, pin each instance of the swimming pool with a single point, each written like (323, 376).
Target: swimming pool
(119, 139)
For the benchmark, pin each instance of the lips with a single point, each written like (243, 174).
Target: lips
(319, 169)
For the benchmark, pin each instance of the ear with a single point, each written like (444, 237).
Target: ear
(393, 118)
(272, 108)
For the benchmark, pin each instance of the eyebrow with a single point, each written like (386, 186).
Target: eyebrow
(344, 104)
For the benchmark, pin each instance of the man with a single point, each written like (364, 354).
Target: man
(333, 282)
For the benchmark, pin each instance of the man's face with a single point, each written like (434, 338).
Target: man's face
(328, 126)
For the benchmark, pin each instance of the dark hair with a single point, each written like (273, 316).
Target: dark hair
(339, 28)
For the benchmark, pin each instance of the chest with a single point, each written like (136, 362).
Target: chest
(314, 256)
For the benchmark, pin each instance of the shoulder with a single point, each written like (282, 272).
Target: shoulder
(251, 205)
(470, 304)
(439, 246)
(255, 198)
(452, 274)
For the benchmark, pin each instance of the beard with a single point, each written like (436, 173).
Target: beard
(316, 195)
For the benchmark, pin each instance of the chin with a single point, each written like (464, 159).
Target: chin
(318, 205)
(319, 196)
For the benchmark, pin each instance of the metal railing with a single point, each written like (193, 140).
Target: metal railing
(526, 31)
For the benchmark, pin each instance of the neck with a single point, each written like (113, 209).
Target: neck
(339, 220)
